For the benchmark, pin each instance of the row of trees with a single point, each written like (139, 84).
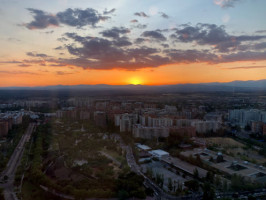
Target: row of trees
(1, 194)
(13, 138)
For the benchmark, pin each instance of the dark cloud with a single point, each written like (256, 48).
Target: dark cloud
(243, 56)
(107, 12)
(122, 42)
(32, 54)
(140, 26)
(100, 53)
(226, 3)
(154, 35)
(79, 17)
(260, 46)
(140, 40)
(165, 45)
(211, 34)
(191, 56)
(134, 21)
(78, 38)
(115, 32)
(70, 17)
(163, 15)
(59, 48)
(24, 65)
(261, 31)
(62, 39)
(141, 14)
(41, 20)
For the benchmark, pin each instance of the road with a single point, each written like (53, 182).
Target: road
(13, 163)
(158, 192)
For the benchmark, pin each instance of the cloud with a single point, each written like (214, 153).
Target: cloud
(32, 54)
(41, 19)
(62, 39)
(17, 72)
(163, 15)
(226, 3)
(261, 31)
(247, 67)
(140, 26)
(134, 21)
(79, 17)
(24, 65)
(59, 48)
(100, 53)
(49, 32)
(213, 35)
(63, 73)
(122, 42)
(71, 17)
(77, 38)
(115, 32)
(141, 14)
(57, 65)
(191, 56)
(154, 35)
(107, 12)
(165, 45)
(259, 46)
(10, 62)
(140, 40)
(243, 56)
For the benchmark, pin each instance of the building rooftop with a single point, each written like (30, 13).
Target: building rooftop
(143, 147)
(159, 152)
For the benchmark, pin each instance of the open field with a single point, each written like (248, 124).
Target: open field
(234, 148)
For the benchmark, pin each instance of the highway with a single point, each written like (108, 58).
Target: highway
(12, 165)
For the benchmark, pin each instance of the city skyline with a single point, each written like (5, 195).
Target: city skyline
(67, 42)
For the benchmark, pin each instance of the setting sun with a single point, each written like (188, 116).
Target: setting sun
(135, 81)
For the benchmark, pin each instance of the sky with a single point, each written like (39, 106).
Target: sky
(119, 42)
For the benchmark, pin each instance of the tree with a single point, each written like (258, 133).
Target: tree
(159, 179)
(196, 173)
(217, 181)
(209, 177)
(225, 187)
(208, 191)
(149, 172)
(5, 178)
(1, 194)
(170, 184)
(192, 185)
(198, 159)
(122, 194)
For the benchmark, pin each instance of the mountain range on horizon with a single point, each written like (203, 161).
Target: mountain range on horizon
(251, 85)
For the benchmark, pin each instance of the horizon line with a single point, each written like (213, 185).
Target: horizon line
(40, 86)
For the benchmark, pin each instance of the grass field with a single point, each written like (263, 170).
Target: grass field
(33, 192)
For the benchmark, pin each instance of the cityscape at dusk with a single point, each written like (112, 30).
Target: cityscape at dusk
(122, 42)
(133, 100)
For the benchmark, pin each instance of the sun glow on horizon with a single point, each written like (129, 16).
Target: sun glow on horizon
(135, 81)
